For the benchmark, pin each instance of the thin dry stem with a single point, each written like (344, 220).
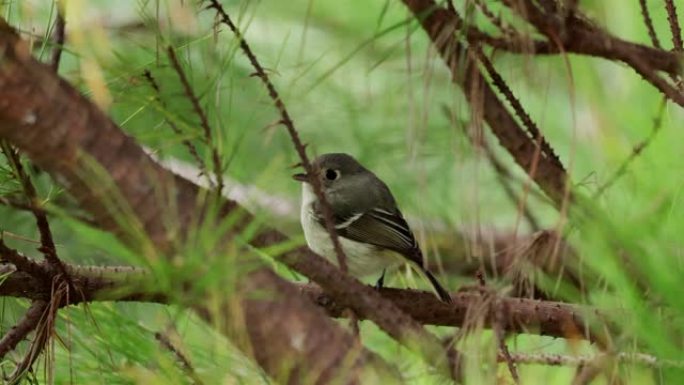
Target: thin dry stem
(649, 24)
(674, 25)
(204, 121)
(636, 151)
(192, 150)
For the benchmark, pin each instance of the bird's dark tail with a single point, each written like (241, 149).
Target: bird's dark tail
(439, 289)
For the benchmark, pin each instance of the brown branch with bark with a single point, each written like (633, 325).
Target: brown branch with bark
(522, 315)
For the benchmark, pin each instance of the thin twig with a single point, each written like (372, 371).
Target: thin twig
(23, 327)
(674, 26)
(294, 135)
(649, 24)
(187, 143)
(636, 151)
(184, 362)
(60, 24)
(494, 19)
(528, 123)
(204, 121)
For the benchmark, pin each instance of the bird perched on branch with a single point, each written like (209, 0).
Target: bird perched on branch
(372, 231)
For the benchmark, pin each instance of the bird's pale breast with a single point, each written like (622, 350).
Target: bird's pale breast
(363, 260)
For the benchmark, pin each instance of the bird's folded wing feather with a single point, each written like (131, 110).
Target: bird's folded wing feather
(381, 228)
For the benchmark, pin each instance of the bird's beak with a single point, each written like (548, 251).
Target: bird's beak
(300, 177)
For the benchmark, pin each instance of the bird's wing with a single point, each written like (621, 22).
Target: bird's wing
(382, 228)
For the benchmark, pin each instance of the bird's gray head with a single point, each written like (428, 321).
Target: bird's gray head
(333, 167)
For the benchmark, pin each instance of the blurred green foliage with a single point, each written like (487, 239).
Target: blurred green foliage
(359, 77)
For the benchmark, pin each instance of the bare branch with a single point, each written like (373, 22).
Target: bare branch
(674, 25)
(568, 360)
(649, 24)
(516, 315)
(521, 315)
(529, 124)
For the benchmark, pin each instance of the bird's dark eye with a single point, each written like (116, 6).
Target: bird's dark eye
(331, 174)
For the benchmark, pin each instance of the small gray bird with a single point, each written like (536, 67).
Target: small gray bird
(373, 232)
